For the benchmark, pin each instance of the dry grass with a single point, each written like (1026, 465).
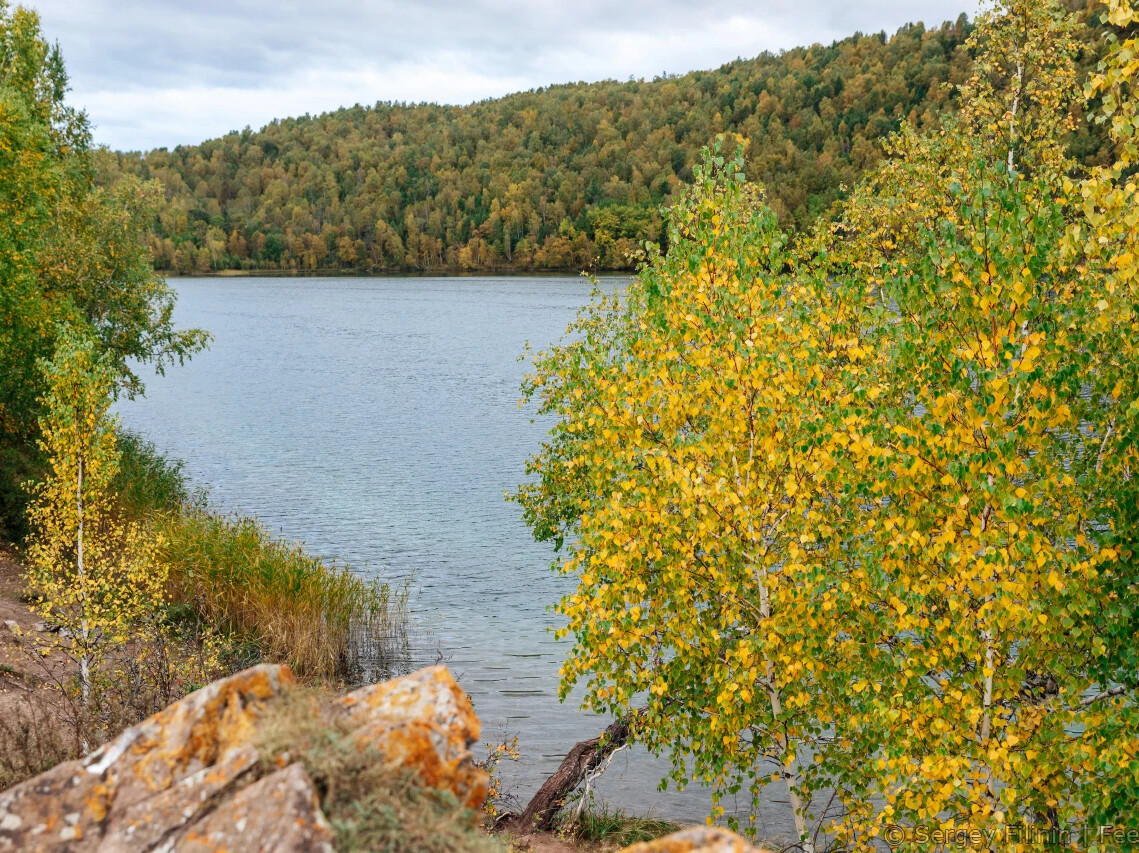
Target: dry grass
(44, 719)
(369, 807)
(230, 573)
(33, 738)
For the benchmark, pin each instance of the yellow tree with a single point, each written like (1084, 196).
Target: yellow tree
(94, 575)
(1103, 243)
(684, 472)
(871, 505)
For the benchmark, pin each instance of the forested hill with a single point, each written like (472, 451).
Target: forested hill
(569, 176)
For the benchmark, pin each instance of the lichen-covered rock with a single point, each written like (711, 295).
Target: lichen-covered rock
(276, 814)
(187, 779)
(423, 722)
(139, 789)
(696, 839)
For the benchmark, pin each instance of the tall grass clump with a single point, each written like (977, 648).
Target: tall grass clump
(370, 806)
(605, 824)
(321, 618)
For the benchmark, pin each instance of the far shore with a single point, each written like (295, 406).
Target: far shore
(445, 272)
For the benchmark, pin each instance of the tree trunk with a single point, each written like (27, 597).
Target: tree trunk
(84, 631)
(798, 807)
(585, 757)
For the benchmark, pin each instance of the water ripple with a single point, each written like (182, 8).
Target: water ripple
(377, 421)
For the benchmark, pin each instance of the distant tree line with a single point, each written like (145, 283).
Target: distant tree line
(569, 176)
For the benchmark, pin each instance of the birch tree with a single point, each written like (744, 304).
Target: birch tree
(94, 576)
(980, 546)
(684, 471)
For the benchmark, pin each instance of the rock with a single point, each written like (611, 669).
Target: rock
(697, 839)
(424, 722)
(152, 780)
(278, 813)
(190, 777)
(12, 625)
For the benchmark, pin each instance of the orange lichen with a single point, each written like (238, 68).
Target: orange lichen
(98, 800)
(224, 720)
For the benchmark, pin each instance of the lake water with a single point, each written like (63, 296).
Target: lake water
(377, 420)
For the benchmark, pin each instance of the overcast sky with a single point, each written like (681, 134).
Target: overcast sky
(163, 72)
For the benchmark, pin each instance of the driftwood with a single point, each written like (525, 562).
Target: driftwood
(585, 757)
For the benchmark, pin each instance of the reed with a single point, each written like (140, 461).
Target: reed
(149, 481)
(321, 618)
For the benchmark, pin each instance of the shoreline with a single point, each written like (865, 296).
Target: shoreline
(446, 272)
(24, 685)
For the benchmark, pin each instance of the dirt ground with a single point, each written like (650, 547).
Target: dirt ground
(21, 670)
(34, 734)
(541, 842)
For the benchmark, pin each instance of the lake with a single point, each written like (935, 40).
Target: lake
(377, 420)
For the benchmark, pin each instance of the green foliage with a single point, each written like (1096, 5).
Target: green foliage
(970, 560)
(71, 253)
(318, 617)
(1106, 244)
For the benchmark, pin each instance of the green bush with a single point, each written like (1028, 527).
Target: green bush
(610, 825)
(149, 481)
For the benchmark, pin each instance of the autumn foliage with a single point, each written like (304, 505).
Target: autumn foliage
(854, 514)
(564, 177)
(95, 575)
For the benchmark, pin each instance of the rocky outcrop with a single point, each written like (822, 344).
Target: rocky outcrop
(423, 721)
(190, 778)
(696, 839)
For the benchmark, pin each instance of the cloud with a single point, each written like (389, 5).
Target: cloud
(164, 72)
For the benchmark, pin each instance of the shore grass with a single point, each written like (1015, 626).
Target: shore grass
(148, 481)
(323, 619)
(608, 825)
(295, 607)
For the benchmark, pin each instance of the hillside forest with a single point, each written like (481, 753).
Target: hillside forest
(567, 177)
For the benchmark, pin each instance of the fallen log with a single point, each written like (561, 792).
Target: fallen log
(585, 757)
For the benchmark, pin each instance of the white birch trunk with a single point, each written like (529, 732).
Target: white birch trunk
(84, 628)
